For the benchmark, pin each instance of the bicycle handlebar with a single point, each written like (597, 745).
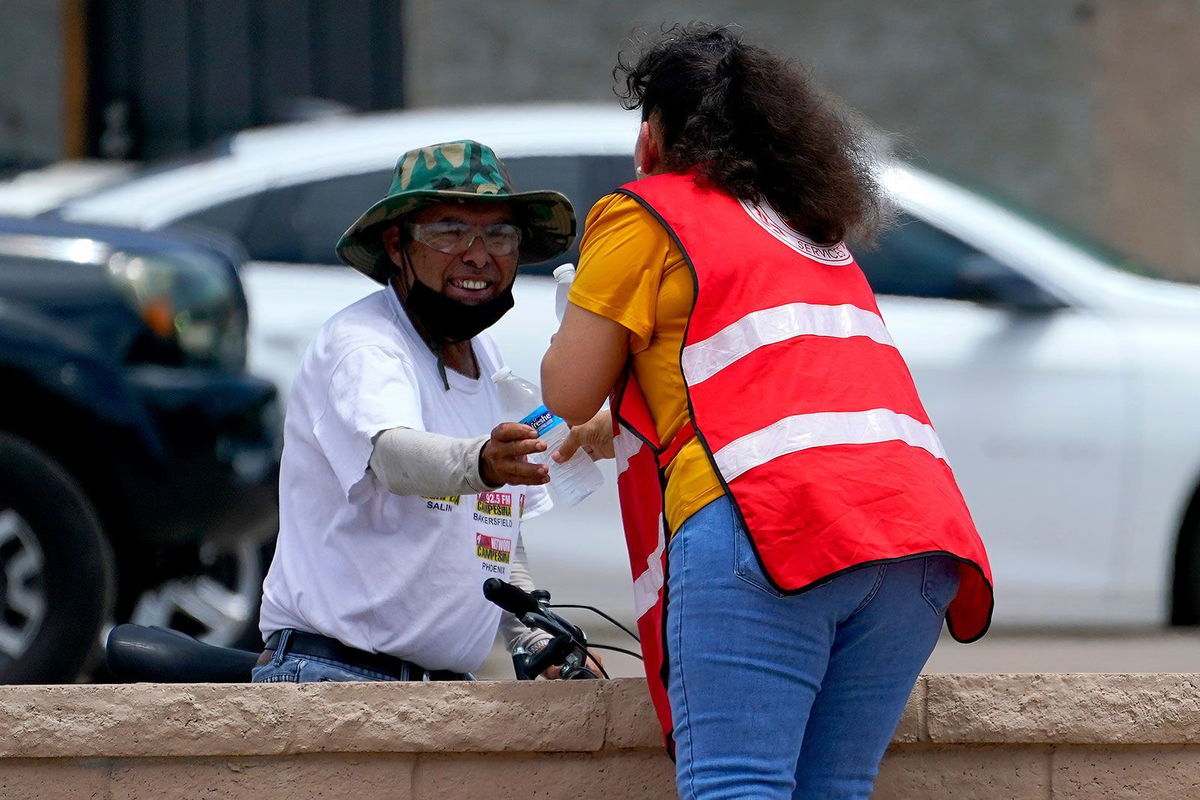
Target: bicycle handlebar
(567, 648)
(512, 599)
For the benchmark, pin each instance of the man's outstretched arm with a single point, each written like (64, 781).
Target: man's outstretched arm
(413, 462)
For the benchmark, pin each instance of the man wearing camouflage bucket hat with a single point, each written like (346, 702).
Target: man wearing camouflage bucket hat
(401, 486)
(457, 171)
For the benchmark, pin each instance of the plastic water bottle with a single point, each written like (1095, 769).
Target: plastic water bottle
(521, 400)
(563, 275)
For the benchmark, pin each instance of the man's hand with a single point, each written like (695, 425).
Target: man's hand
(503, 458)
(595, 437)
(593, 663)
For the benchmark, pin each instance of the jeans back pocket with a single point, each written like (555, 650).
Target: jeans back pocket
(746, 565)
(287, 672)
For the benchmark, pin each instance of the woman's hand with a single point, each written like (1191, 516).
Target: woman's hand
(595, 437)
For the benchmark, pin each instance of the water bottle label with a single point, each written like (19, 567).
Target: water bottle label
(541, 420)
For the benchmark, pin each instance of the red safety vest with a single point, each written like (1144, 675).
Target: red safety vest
(806, 409)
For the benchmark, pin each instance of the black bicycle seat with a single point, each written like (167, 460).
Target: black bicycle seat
(159, 655)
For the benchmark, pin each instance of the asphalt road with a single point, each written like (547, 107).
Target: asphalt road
(1146, 650)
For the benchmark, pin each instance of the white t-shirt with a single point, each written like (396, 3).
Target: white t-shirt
(381, 572)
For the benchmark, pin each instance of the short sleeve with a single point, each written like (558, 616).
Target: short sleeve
(370, 390)
(537, 502)
(622, 257)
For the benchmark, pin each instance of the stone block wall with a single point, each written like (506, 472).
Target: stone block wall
(962, 737)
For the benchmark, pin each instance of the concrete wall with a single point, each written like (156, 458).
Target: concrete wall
(1083, 110)
(31, 92)
(963, 737)
(1146, 81)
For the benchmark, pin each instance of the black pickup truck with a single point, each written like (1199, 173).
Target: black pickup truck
(138, 459)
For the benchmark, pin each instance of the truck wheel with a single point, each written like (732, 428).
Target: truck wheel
(1185, 596)
(56, 570)
(218, 605)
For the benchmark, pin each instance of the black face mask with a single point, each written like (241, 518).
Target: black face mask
(448, 321)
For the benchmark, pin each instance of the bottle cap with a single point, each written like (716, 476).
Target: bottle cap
(501, 374)
(564, 272)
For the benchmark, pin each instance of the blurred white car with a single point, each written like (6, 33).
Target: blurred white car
(1066, 388)
(35, 191)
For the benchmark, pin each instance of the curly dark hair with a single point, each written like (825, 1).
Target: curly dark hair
(751, 124)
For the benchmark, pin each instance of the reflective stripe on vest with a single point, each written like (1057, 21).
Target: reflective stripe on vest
(640, 487)
(823, 429)
(706, 358)
(647, 570)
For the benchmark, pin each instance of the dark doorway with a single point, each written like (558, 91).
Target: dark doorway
(169, 76)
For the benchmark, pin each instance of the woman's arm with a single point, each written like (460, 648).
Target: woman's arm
(612, 308)
(583, 364)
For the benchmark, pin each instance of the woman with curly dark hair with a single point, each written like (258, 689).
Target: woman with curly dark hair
(796, 534)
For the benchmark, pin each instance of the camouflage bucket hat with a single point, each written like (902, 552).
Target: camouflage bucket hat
(462, 171)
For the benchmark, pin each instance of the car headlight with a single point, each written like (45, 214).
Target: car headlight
(188, 299)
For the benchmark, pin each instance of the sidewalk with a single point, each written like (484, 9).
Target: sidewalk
(1148, 650)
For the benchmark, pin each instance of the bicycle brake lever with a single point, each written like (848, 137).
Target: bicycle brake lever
(528, 666)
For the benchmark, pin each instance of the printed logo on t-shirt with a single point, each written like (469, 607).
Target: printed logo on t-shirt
(521, 508)
(493, 549)
(494, 508)
(498, 503)
(774, 224)
(446, 503)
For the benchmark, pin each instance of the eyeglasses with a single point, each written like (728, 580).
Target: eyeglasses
(452, 238)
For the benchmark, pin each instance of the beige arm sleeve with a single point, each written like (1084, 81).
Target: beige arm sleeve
(414, 462)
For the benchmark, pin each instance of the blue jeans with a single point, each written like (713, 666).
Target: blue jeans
(285, 667)
(790, 697)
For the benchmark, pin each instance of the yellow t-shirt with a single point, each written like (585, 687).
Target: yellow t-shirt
(631, 271)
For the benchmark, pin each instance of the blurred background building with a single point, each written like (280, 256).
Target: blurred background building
(1086, 111)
